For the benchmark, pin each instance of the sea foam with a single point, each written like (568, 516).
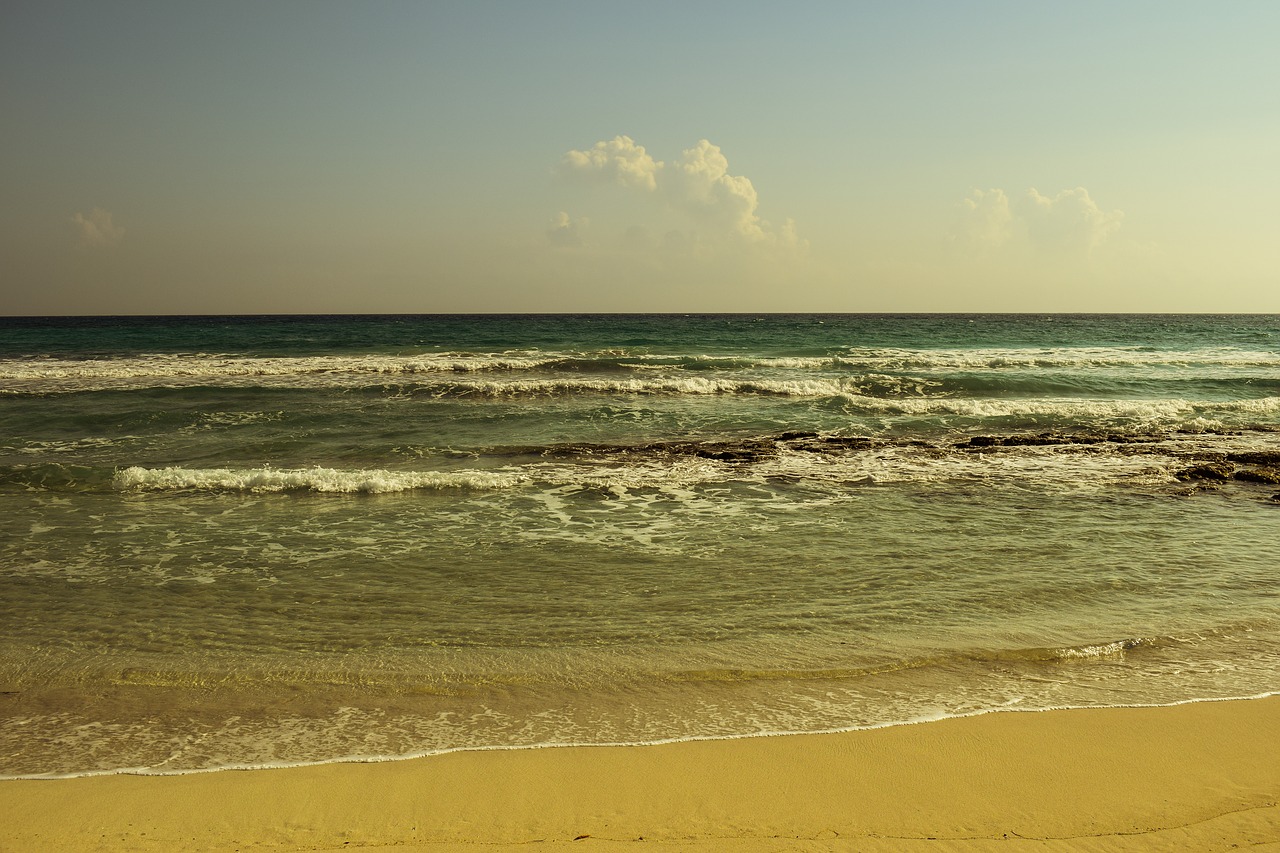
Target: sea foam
(327, 480)
(223, 367)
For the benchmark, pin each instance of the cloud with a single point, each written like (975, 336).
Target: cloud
(1070, 221)
(566, 231)
(618, 160)
(697, 185)
(97, 230)
(700, 183)
(987, 219)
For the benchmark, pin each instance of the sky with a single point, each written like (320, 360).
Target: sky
(337, 157)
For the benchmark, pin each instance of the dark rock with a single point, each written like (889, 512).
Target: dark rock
(725, 451)
(1207, 471)
(1259, 475)
(737, 454)
(827, 444)
(1117, 438)
(748, 450)
(1028, 440)
(792, 436)
(847, 441)
(1256, 457)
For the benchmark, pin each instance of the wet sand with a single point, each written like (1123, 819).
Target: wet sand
(1203, 776)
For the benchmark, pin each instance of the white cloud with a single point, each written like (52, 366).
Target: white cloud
(1071, 219)
(566, 231)
(97, 230)
(987, 219)
(1069, 222)
(697, 184)
(618, 160)
(700, 183)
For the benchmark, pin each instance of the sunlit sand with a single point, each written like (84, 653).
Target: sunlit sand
(1201, 776)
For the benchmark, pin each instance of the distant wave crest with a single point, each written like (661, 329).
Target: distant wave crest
(214, 366)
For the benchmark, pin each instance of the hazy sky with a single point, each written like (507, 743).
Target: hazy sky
(685, 156)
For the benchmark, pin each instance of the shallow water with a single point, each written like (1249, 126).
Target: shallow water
(235, 542)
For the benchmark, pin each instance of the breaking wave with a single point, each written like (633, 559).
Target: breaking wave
(1031, 468)
(229, 366)
(326, 480)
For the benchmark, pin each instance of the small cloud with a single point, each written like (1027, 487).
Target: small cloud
(1070, 221)
(986, 219)
(697, 185)
(97, 230)
(566, 231)
(618, 160)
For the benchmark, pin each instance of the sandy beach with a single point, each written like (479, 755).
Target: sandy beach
(1202, 776)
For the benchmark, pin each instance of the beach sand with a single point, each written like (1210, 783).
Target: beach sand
(1202, 776)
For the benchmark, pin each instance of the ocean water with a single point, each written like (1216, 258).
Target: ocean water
(257, 541)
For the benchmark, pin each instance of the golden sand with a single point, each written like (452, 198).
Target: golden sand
(1200, 777)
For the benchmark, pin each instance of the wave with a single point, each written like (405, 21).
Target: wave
(1109, 651)
(1045, 656)
(646, 705)
(1058, 462)
(205, 365)
(58, 477)
(870, 392)
(1169, 412)
(674, 477)
(230, 366)
(1013, 706)
(325, 480)
(694, 386)
(867, 395)
(1072, 459)
(1054, 357)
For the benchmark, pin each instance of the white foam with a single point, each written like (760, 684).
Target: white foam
(1053, 357)
(1066, 467)
(689, 385)
(327, 480)
(1145, 413)
(77, 445)
(1013, 706)
(221, 366)
(1100, 651)
(1150, 413)
(158, 367)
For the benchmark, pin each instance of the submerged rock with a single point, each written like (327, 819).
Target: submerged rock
(1046, 438)
(1259, 475)
(1015, 440)
(733, 454)
(1207, 471)
(847, 441)
(814, 443)
(748, 450)
(1270, 459)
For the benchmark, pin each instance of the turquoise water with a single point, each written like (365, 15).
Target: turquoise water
(257, 541)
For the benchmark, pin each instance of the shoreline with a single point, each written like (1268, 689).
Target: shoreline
(1201, 775)
(415, 756)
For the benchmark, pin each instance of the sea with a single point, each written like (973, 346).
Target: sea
(232, 542)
